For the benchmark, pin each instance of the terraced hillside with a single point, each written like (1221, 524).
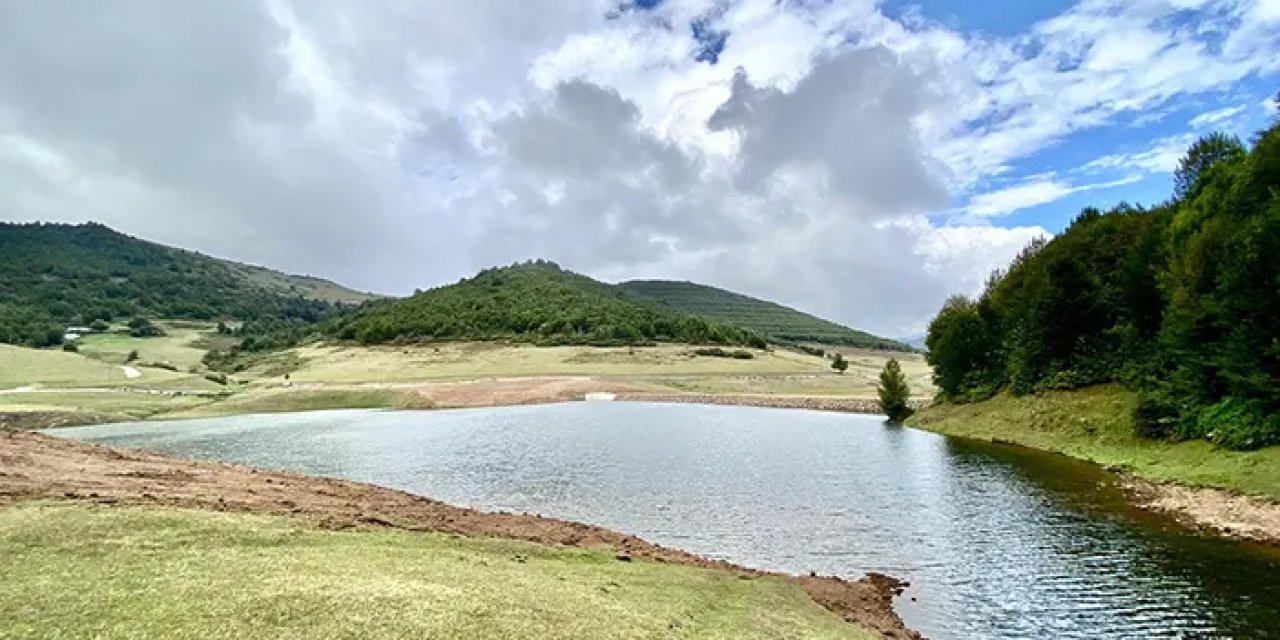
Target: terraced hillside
(771, 320)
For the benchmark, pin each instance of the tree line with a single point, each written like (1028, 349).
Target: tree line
(1180, 302)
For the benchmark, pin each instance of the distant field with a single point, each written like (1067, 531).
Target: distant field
(184, 345)
(779, 371)
(109, 404)
(470, 360)
(20, 367)
(75, 571)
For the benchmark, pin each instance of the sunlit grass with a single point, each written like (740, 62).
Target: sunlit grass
(78, 571)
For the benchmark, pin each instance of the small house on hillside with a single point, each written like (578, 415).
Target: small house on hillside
(73, 333)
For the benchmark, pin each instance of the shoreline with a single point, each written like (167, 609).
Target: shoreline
(1219, 510)
(1194, 483)
(42, 467)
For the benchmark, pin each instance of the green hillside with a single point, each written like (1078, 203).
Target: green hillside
(771, 320)
(1178, 302)
(53, 275)
(531, 302)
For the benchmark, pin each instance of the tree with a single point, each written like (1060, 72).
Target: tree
(1206, 152)
(839, 363)
(894, 392)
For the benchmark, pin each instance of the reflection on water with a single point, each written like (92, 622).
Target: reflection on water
(997, 542)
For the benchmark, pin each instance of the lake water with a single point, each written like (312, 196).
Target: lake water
(997, 542)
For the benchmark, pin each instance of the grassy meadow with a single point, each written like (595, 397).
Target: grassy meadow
(777, 371)
(92, 384)
(78, 571)
(1095, 424)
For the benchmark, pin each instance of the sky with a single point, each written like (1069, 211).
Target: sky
(860, 160)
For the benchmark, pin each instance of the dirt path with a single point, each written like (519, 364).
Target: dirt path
(34, 466)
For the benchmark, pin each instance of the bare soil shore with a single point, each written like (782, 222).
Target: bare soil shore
(1221, 512)
(37, 466)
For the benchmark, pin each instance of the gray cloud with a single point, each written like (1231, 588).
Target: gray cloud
(402, 145)
(851, 118)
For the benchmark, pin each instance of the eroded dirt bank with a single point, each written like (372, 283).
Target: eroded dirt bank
(34, 466)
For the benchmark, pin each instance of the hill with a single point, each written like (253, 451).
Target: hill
(771, 320)
(531, 302)
(53, 275)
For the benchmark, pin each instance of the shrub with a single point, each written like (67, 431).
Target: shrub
(839, 363)
(133, 355)
(71, 346)
(144, 328)
(1236, 424)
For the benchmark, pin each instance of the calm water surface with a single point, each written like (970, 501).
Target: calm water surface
(997, 542)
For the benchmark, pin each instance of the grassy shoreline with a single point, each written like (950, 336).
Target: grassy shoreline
(102, 542)
(1094, 424)
(172, 572)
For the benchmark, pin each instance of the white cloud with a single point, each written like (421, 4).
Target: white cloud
(1216, 117)
(1031, 194)
(399, 145)
(1161, 156)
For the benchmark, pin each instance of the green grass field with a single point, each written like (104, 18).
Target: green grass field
(110, 405)
(776, 371)
(1095, 424)
(21, 367)
(183, 346)
(81, 571)
(295, 399)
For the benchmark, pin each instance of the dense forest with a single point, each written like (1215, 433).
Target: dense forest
(1180, 302)
(773, 321)
(531, 302)
(54, 275)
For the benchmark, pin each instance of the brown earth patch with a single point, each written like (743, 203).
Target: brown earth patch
(1222, 512)
(494, 392)
(37, 466)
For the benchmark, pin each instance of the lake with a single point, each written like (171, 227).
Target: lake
(998, 542)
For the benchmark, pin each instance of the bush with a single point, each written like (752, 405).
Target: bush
(1155, 417)
(70, 346)
(161, 365)
(1236, 424)
(719, 352)
(133, 355)
(144, 328)
(220, 378)
(839, 363)
(99, 325)
(813, 351)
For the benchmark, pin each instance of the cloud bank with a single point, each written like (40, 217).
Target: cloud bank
(819, 154)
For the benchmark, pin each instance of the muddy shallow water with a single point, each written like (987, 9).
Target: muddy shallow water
(997, 542)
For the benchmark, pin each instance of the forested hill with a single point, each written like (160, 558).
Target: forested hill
(771, 320)
(53, 275)
(1180, 302)
(532, 302)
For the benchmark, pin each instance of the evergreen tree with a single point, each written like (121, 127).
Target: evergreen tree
(894, 392)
